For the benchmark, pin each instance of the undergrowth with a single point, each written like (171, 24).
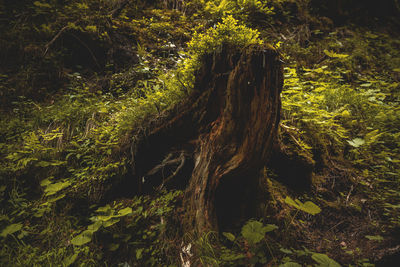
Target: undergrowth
(340, 110)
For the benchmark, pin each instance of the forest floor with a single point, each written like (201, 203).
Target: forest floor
(81, 81)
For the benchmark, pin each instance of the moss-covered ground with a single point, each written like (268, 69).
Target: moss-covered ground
(81, 80)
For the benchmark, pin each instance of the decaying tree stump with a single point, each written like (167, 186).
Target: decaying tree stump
(214, 144)
(240, 137)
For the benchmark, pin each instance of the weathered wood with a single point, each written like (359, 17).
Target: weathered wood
(244, 111)
(226, 131)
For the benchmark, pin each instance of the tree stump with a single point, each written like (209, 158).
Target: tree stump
(245, 109)
(225, 130)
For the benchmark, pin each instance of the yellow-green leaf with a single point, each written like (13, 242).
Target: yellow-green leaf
(356, 142)
(324, 261)
(83, 238)
(334, 55)
(12, 228)
(229, 236)
(125, 211)
(374, 237)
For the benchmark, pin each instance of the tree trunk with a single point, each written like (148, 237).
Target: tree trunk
(245, 111)
(226, 130)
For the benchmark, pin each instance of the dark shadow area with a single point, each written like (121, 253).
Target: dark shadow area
(235, 202)
(292, 170)
(366, 12)
(172, 171)
(389, 261)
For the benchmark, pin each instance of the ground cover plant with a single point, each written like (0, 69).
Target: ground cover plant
(82, 82)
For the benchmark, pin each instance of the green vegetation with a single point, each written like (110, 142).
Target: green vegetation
(80, 80)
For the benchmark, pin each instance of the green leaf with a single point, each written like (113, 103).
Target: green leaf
(104, 218)
(253, 231)
(374, 237)
(45, 182)
(139, 253)
(229, 236)
(83, 238)
(286, 251)
(324, 261)
(356, 142)
(125, 211)
(290, 264)
(12, 228)
(310, 208)
(291, 202)
(54, 199)
(230, 256)
(334, 55)
(43, 164)
(113, 247)
(270, 227)
(94, 227)
(51, 189)
(110, 222)
(105, 209)
(71, 259)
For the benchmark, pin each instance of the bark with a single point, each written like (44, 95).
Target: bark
(225, 131)
(245, 111)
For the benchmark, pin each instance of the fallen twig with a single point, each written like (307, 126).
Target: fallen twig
(47, 46)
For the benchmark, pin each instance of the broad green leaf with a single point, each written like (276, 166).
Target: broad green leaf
(104, 218)
(345, 113)
(71, 259)
(12, 228)
(356, 142)
(374, 237)
(291, 202)
(290, 264)
(105, 209)
(95, 226)
(310, 208)
(45, 182)
(51, 189)
(324, 261)
(253, 231)
(125, 211)
(83, 238)
(110, 222)
(54, 199)
(270, 228)
(229, 236)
